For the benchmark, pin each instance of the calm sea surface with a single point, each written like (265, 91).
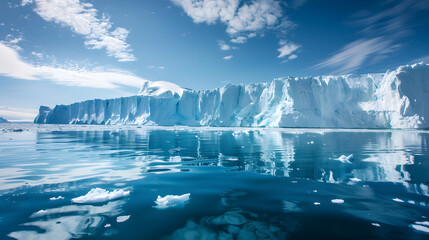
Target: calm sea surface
(212, 183)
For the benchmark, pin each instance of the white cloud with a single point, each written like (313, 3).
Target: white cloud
(83, 19)
(228, 57)
(11, 65)
(156, 67)
(239, 39)
(239, 18)
(39, 55)
(287, 49)
(356, 53)
(223, 46)
(293, 56)
(18, 114)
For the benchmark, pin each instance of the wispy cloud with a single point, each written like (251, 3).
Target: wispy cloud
(18, 114)
(12, 65)
(82, 18)
(381, 31)
(287, 49)
(240, 19)
(354, 54)
(155, 67)
(224, 47)
(229, 57)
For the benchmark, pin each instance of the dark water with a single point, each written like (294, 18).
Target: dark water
(249, 184)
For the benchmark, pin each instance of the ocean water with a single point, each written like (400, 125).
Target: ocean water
(212, 183)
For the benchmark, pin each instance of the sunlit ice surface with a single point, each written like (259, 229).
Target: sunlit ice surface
(131, 182)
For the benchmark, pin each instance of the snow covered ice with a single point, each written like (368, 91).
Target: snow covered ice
(172, 201)
(97, 195)
(395, 99)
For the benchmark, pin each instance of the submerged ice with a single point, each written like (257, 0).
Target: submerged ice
(395, 99)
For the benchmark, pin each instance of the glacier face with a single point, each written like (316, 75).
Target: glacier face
(395, 99)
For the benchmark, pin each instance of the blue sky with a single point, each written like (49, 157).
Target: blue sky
(63, 51)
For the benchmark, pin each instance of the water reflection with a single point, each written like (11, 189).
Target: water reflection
(66, 156)
(228, 172)
(71, 221)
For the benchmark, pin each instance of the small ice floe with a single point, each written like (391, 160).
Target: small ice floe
(107, 225)
(376, 224)
(337, 201)
(39, 213)
(311, 142)
(345, 159)
(398, 200)
(97, 195)
(122, 218)
(421, 226)
(315, 190)
(316, 203)
(411, 202)
(172, 201)
(355, 179)
(56, 198)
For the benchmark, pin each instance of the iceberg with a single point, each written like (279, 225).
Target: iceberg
(3, 120)
(395, 99)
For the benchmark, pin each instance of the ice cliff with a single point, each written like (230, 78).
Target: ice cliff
(395, 99)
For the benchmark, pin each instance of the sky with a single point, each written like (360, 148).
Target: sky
(64, 51)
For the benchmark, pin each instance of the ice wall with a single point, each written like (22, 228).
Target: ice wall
(395, 99)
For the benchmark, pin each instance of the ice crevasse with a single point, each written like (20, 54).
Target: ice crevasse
(395, 99)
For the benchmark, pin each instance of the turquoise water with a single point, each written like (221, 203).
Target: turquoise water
(242, 183)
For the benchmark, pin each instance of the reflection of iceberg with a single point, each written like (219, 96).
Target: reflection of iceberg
(67, 222)
(236, 224)
(276, 154)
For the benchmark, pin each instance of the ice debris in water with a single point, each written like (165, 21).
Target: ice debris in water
(172, 201)
(376, 224)
(97, 195)
(316, 203)
(107, 225)
(122, 218)
(39, 213)
(56, 198)
(421, 226)
(345, 159)
(338, 201)
(398, 200)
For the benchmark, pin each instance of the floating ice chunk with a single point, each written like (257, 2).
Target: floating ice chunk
(316, 203)
(411, 202)
(337, 201)
(122, 218)
(355, 179)
(39, 213)
(97, 195)
(107, 225)
(420, 228)
(172, 201)
(56, 198)
(345, 159)
(376, 224)
(398, 200)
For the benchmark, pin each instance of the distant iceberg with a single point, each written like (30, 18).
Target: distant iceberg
(395, 99)
(3, 120)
